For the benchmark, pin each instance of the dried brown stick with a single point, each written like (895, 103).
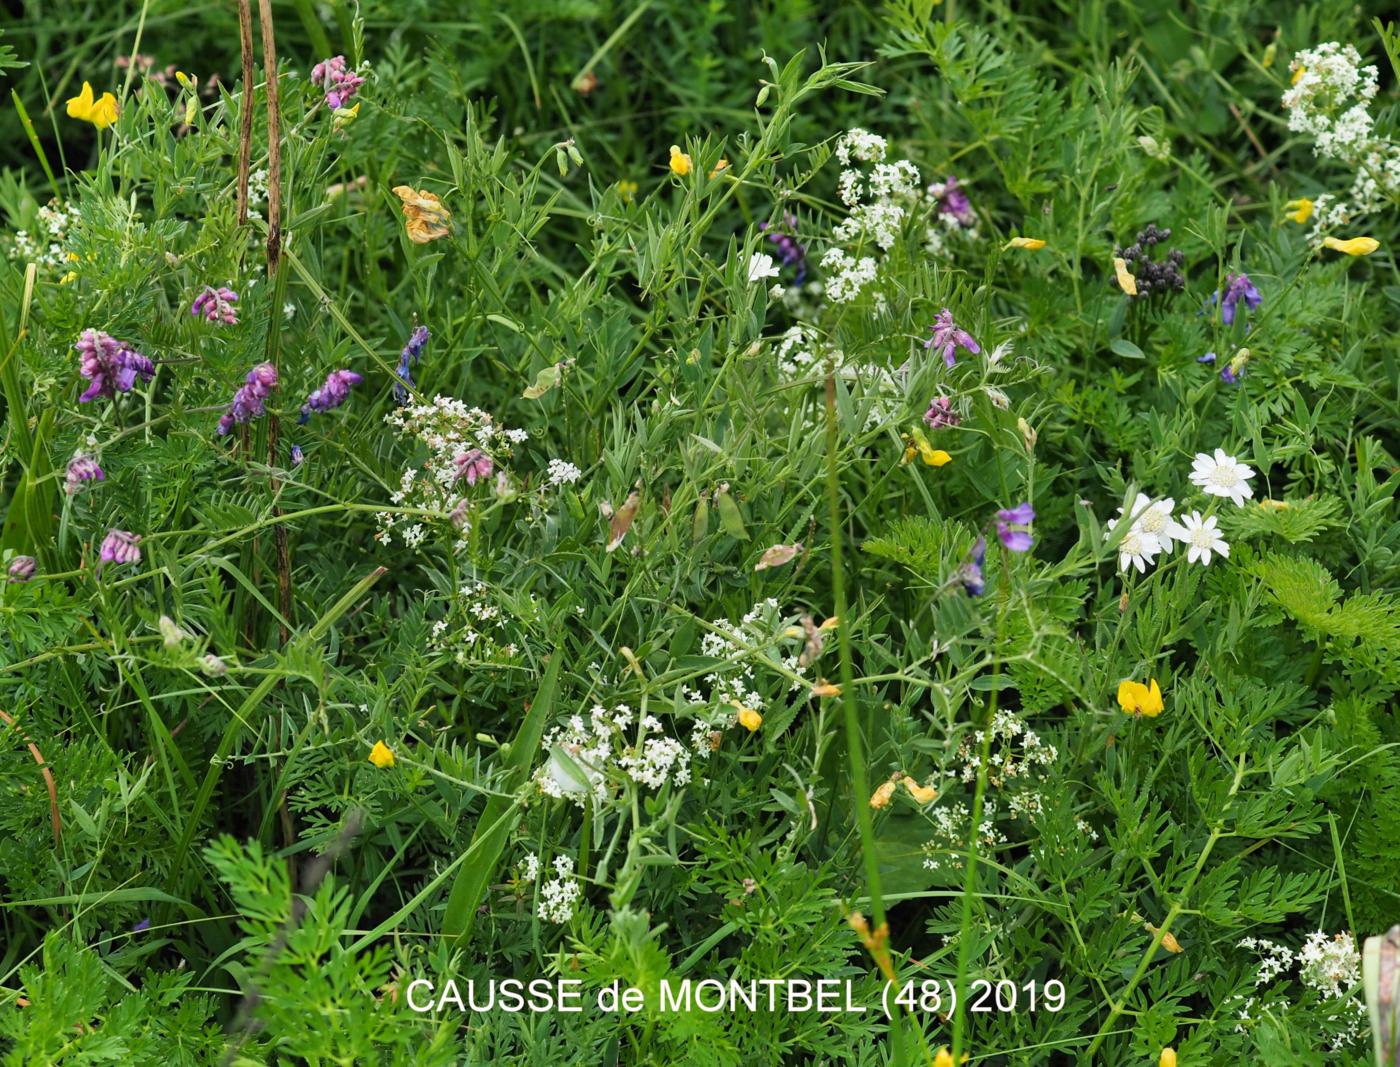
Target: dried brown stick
(245, 117)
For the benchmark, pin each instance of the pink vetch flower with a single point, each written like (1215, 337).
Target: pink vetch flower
(949, 336)
(940, 413)
(248, 402)
(331, 395)
(216, 305)
(953, 201)
(338, 82)
(120, 546)
(1011, 527)
(110, 365)
(22, 568)
(473, 465)
(82, 468)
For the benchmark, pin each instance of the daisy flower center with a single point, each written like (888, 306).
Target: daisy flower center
(1223, 476)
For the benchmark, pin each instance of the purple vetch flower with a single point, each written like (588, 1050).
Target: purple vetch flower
(332, 394)
(120, 546)
(1237, 287)
(953, 201)
(338, 82)
(297, 457)
(1209, 357)
(248, 401)
(1228, 375)
(970, 573)
(1011, 523)
(22, 568)
(948, 336)
(940, 413)
(82, 468)
(141, 927)
(216, 305)
(790, 250)
(408, 358)
(110, 365)
(473, 465)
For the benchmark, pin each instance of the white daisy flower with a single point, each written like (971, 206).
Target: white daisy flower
(1223, 475)
(1201, 537)
(1137, 549)
(761, 266)
(1153, 517)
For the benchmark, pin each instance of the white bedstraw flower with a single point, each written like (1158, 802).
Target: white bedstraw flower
(1223, 475)
(761, 266)
(1201, 538)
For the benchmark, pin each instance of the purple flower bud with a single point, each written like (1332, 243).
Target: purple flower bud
(119, 546)
(297, 456)
(940, 413)
(970, 573)
(110, 365)
(141, 927)
(1209, 357)
(1228, 375)
(82, 468)
(473, 465)
(948, 336)
(332, 394)
(1010, 523)
(1237, 287)
(458, 515)
(953, 201)
(216, 305)
(247, 403)
(22, 568)
(791, 251)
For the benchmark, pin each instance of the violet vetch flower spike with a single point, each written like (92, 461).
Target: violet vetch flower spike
(1011, 527)
(473, 465)
(110, 365)
(248, 401)
(82, 468)
(22, 568)
(216, 305)
(940, 413)
(953, 201)
(949, 336)
(337, 81)
(120, 546)
(408, 359)
(331, 395)
(790, 250)
(970, 573)
(1238, 288)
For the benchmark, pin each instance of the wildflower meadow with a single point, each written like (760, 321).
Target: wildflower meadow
(646, 532)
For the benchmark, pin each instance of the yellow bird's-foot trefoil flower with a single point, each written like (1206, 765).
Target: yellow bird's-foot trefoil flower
(101, 112)
(721, 166)
(1126, 281)
(882, 795)
(1299, 210)
(680, 162)
(1352, 246)
(922, 794)
(749, 719)
(1138, 699)
(1030, 244)
(381, 755)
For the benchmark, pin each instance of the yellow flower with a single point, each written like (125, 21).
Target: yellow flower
(943, 1058)
(101, 113)
(1030, 244)
(934, 457)
(425, 217)
(1169, 941)
(1297, 75)
(1138, 699)
(381, 755)
(881, 797)
(1299, 210)
(723, 164)
(825, 689)
(1352, 246)
(343, 116)
(1167, 1058)
(1126, 281)
(627, 190)
(749, 719)
(922, 794)
(680, 162)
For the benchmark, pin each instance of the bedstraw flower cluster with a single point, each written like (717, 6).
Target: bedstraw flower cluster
(463, 443)
(474, 629)
(1329, 967)
(560, 895)
(594, 757)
